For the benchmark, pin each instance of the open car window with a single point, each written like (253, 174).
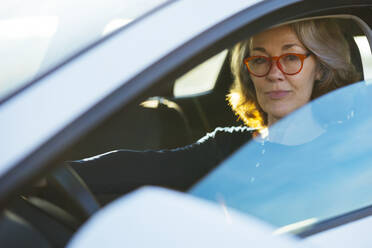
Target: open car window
(264, 176)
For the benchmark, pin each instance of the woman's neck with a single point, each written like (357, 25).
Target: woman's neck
(271, 120)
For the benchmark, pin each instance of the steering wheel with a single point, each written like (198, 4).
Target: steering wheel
(76, 196)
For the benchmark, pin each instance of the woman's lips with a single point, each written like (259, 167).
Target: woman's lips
(278, 94)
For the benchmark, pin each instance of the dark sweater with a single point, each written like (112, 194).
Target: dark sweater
(120, 171)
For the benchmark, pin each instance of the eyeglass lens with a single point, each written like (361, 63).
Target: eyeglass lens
(289, 63)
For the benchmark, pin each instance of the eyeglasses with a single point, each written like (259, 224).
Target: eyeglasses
(288, 63)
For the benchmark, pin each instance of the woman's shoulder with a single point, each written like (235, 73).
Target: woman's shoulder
(225, 140)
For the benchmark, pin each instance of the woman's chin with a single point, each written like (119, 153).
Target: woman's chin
(278, 113)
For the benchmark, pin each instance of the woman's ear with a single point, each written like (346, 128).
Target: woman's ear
(318, 72)
(321, 72)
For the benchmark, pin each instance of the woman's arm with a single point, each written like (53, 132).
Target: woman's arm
(120, 171)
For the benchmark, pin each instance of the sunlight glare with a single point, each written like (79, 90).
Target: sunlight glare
(114, 25)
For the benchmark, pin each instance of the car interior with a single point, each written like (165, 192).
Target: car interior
(159, 119)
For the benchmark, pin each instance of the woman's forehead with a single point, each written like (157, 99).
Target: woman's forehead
(275, 38)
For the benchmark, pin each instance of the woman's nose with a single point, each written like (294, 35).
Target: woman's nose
(275, 73)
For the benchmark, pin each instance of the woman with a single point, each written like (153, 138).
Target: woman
(327, 66)
(276, 72)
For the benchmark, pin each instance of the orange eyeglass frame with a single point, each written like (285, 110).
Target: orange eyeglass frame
(276, 59)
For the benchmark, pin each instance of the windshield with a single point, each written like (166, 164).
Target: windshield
(320, 169)
(38, 34)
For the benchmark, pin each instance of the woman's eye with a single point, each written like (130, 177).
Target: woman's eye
(291, 57)
(259, 61)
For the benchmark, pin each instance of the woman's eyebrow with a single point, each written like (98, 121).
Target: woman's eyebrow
(288, 46)
(261, 49)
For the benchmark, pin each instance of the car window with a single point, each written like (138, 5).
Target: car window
(365, 52)
(320, 170)
(200, 79)
(55, 30)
